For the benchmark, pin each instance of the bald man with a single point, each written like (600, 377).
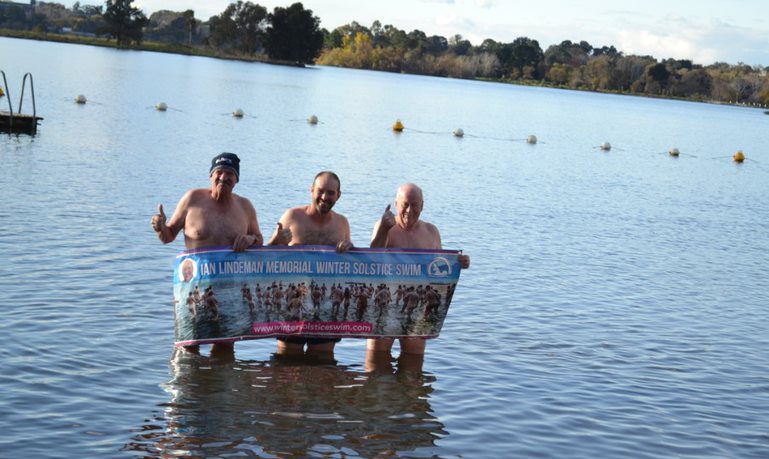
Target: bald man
(405, 230)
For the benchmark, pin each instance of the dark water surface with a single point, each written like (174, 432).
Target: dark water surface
(616, 305)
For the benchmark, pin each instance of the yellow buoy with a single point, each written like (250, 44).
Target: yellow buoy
(532, 139)
(739, 156)
(238, 113)
(606, 146)
(80, 99)
(674, 152)
(312, 119)
(398, 126)
(161, 106)
(458, 132)
(1, 92)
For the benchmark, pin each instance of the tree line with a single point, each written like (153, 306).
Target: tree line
(243, 29)
(567, 64)
(293, 33)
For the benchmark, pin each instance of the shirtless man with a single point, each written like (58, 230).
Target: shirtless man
(210, 303)
(191, 305)
(246, 292)
(406, 230)
(213, 216)
(316, 300)
(314, 224)
(336, 299)
(295, 309)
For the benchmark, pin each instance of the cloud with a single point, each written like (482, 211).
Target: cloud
(704, 42)
(678, 45)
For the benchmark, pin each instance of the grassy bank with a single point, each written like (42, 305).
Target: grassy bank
(171, 48)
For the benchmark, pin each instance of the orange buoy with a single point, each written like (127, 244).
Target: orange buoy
(398, 126)
(739, 156)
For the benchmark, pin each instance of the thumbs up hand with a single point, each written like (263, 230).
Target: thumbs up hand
(388, 219)
(282, 236)
(158, 221)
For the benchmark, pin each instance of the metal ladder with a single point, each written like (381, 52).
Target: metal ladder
(24, 123)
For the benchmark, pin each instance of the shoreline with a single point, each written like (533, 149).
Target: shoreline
(176, 48)
(153, 46)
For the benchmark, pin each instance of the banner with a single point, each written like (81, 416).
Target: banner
(311, 291)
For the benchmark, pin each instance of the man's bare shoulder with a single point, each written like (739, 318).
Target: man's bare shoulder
(341, 218)
(295, 213)
(430, 228)
(195, 195)
(243, 201)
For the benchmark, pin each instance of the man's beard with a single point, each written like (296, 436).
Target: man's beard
(324, 207)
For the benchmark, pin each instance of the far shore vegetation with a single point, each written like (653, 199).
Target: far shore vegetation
(291, 35)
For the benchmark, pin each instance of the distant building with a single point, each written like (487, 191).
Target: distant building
(27, 5)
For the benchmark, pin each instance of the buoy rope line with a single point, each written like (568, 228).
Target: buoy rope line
(738, 157)
(499, 139)
(167, 108)
(244, 115)
(84, 102)
(667, 153)
(607, 150)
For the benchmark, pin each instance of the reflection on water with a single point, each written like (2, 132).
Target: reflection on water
(293, 407)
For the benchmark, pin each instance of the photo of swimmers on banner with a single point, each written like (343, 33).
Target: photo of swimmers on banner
(313, 291)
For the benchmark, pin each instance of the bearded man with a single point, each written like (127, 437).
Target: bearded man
(314, 224)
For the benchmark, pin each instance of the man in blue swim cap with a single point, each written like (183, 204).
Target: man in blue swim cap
(214, 216)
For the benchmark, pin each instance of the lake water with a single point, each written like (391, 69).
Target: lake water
(616, 305)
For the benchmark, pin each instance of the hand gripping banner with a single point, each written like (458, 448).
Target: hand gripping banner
(311, 291)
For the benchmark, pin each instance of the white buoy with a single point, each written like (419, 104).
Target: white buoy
(238, 113)
(312, 119)
(80, 99)
(674, 152)
(458, 132)
(161, 106)
(532, 139)
(606, 146)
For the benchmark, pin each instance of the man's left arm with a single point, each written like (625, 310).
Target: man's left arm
(464, 260)
(253, 235)
(345, 244)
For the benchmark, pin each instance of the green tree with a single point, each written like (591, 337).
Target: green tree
(240, 26)
(657, 76)
(459, 46)
(525, 52)
(573, 54)
(123, 21)
(294, 34)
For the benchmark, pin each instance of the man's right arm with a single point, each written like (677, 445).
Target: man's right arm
(282, 234)
(382, 228)
(167, 232)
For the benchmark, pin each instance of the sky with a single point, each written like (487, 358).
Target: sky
(704, 31)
